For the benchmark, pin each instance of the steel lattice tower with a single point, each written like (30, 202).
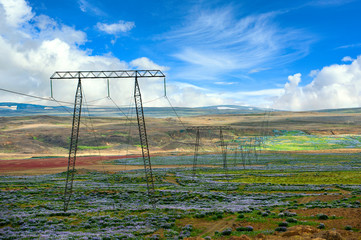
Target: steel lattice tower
(222, 145)
(77, 113)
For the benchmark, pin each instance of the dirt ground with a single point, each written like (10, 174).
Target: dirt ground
(18, 164)
(39, 166)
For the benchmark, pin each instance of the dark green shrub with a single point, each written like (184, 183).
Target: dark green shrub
(227, 232)
(283, 224)
(247, 229)
(321, 226)
(322, 216)
(281, 229)
(200, 215)
(291, 220)
(348, 227)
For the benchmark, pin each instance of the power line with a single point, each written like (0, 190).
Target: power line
(176, 113)
(27, 95)
(111, 99)
(51, 99)
(96, 138)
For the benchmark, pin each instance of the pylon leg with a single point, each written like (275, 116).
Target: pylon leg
(144, 143)
(224, 153)
(196, 148)
(73, 146)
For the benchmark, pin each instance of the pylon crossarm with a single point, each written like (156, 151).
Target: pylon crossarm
(107, 74)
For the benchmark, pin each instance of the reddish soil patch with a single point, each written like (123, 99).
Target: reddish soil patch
(18, 165)
(40, 166)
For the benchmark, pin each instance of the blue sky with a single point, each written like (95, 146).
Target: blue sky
(295, 55)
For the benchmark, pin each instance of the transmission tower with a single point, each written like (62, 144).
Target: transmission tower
(197, 144)
(77, 113)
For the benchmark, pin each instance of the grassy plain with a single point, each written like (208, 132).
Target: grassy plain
(302, 181)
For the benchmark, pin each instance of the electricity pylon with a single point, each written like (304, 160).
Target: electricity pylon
(222, 144)
(77, 113)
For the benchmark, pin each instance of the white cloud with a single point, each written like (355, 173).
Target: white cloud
(259, 98)
(215, 42)
(206, 59)
(86, 7)
(335, 86)
(256, 70)
(293, 82)
(45, 28)
(146, 63)
(225, 83)
(329, 2)
(264, 92)
(347, 59)
(17, 12)
(32, 50)
(115, 28)
(355, 45)
(314, 73)
(191, 96)
(83, 5)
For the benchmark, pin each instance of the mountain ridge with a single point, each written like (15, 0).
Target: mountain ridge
(22, 109)
(8, 109)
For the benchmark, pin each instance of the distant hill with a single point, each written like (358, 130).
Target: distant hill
(340, 110)
(8, 109)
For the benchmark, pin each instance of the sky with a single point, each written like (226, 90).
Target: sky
(290, 55)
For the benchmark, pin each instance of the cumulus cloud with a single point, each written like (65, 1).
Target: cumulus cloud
(115, 28)
(193, 96)
(293, 82)
(17, 12)
(146, 63)
(335, 86)
(259, 98)
(314, 73)
(33, 47)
